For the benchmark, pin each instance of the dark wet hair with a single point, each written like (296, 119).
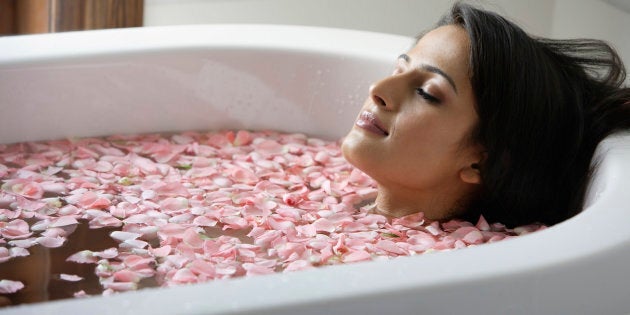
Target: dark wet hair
(543, 107)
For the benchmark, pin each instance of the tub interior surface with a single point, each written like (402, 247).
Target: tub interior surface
(189, 78)
(203, 90)
(168, 84)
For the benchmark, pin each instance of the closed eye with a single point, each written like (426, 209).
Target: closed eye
(430, 98)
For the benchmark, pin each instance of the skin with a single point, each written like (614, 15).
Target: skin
(416, 146)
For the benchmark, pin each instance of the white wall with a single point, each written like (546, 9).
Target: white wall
(405, 17)
(553, 18)
(593, 19)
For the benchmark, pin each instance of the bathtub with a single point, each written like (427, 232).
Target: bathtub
(310, 80)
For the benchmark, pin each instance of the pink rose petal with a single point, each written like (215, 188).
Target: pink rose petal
(184, 276)
(10, 286)
(242, 137)
(51, 242)
(4, 254)
(126, 276)
(124, 236)
(25, 243)
(307, 230)
(80, 294)
(324, 225)
(255, 269)
(18, 252)
(15, 229)
(71, 278)
(83, 257)
(391, 247)
(162, 251)
(121, 286)
(107, 254)
(24, 187)
(298, 265)
(358, 255)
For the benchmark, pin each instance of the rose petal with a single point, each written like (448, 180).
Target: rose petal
(358, 255)
(72, 278)
(83, 257)
(10, 286)
(15, 229)
(298, 265)
(124, 236)
(51, 242)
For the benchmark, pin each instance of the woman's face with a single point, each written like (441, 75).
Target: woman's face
(412, 133)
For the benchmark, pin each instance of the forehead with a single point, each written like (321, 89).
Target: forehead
(446, 47)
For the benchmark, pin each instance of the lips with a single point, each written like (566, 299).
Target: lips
(369, 122)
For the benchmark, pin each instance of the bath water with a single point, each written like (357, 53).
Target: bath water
(95, 216)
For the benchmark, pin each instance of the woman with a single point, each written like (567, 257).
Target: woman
(481, 118)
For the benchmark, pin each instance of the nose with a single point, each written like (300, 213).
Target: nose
(388, 92)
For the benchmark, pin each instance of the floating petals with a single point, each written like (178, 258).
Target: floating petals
(204, 221)
(51, 242)
(412, 221)
(242, 137)
(25, 243)
(225, 270)
(192, 207)
(324, 225)
(234, 222)
(162, 251)
(307, 230)
(10, 286)
(71, 278)
(108, 253)
(83, 257)
(192, 238)
(174, 204)
(24, 187)
(105, 221)
(184, 276)
(391, 247)
(126, 276)
(57, 188)
(242, 175)
(133, 244)
(120, 286)
(64, 221)
(255, 269)
(358, 255)
(124, 236)
(171, 189)
(482, 224)
(18, 252)
(4, 254)
(298, 265)
(15, 229)
(268, 147)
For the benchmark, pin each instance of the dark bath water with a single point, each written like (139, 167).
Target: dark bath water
(41, 269)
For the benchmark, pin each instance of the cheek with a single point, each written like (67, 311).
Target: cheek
(417, 133)
(426, 143)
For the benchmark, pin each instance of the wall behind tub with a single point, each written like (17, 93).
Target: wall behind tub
(603, 19)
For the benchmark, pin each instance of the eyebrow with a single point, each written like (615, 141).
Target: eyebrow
(432, 69)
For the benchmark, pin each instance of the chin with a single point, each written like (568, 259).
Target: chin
(350, 148)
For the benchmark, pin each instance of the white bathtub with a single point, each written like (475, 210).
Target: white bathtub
(309, 80)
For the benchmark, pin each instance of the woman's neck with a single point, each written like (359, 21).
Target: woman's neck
(439, 204)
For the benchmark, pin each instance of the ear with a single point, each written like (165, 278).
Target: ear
(470, 174)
